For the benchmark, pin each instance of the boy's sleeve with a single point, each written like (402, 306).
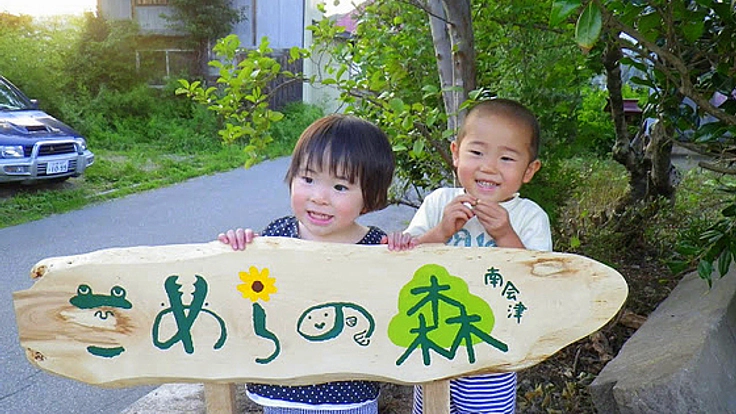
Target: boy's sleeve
(425, 218)
(536, 233)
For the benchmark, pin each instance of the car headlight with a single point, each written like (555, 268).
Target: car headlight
(11, 151)
(82, 144)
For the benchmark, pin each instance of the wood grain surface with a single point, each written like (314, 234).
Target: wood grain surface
(289, 311)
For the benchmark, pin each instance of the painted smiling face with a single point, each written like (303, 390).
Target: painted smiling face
(329, 320)
(321, 323)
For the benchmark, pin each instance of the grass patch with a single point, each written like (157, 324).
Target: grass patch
(148, 151)
(588, 224)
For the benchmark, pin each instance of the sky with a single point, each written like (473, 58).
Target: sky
(47, 7)
(52, 7)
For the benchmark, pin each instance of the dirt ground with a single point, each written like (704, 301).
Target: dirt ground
(559, 384)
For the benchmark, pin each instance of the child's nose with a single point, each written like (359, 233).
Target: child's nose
(320, 195)
(489, 166)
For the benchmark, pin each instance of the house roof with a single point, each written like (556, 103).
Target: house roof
(347, 21)
(631, 106)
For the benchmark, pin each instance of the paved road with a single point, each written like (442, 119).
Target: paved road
(191, 212)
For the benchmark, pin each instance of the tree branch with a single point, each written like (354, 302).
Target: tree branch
(685, 85)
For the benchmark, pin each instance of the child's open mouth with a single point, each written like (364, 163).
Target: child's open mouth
(486, 185)
(319, 218)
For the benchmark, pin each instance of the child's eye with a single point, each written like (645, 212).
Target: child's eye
(474, 152)
(307, 179)
(340, 187)
(507, 159)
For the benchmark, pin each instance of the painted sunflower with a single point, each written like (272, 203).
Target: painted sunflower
(256, 284)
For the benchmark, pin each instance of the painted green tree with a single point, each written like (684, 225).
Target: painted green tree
(438, 313)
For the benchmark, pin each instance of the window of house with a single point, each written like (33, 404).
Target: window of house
(151, 2)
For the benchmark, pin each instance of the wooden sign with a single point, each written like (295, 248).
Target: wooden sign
(289, 311)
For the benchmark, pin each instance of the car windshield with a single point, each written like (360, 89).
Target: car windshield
(10, 99)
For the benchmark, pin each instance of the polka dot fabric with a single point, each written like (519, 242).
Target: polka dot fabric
(332, 393)
(289, 227)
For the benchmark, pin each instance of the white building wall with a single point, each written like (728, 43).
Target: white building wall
(281, 21)
(115, 9)
(245, 28)
(151, 20)
(324, 96)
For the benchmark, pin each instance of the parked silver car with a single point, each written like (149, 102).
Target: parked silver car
(35, 146)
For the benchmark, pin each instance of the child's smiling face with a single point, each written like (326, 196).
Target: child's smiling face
(326, 206)
(493, 159)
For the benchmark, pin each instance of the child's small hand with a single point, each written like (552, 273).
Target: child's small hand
(495, 219)
(399, 241)
(237, 238)
(456, 214)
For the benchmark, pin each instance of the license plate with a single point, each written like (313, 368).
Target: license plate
(57, 167)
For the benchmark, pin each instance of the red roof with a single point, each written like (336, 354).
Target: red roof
(631, 106)
(347, 21)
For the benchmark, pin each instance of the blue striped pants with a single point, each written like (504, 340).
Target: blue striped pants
(479, 394)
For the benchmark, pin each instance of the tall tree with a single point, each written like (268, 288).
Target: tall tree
(685, 53)
(205, 21)
(417, 84)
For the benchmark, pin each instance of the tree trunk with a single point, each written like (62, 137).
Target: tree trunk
(648, 157)
(463, 47)
(457, 26)
(203, 58)
(624, 152)
(659, 151)
(443, 56)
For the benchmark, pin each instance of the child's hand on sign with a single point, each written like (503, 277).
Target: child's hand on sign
(238, 238)
(400, 241)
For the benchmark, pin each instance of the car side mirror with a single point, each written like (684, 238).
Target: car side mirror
(34, 103)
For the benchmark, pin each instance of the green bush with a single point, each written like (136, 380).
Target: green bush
(297, 117)
(103, 56)
(595, 130)
(143, 116)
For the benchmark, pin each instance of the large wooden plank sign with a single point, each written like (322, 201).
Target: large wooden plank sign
(289, 311)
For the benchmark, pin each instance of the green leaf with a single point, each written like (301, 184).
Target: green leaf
(294, 53)
(407, 123)
(724, 262)
(589, 26)
(650, 25)
(678, 266)
(574, 242)
(729, 211)
(643, 82)
(418, 147)
(430, 89)
(561, 10)
(693, 30)
(397, 105)
(705, 269)
(275, 116)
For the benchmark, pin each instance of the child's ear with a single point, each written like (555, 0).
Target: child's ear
(454, 150)
(531, 169)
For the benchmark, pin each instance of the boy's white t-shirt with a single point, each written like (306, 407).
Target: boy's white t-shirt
(494, 392)
(527, 219)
